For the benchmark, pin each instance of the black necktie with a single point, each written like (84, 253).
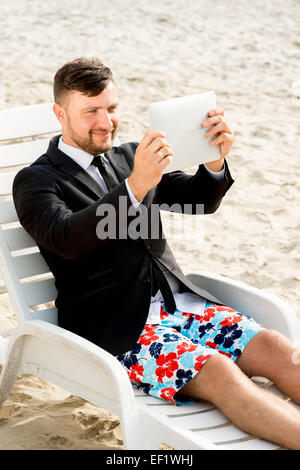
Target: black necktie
(105, 172)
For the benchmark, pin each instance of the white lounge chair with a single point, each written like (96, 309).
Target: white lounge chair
(39, 346)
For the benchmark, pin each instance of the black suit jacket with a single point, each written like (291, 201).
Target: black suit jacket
(104, 286)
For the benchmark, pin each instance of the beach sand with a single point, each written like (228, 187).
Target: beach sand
(249, 54)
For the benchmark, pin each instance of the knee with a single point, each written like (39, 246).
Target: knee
(266, 355)
(275, 352)
(218, 373)
(271, 343)
(219, 367)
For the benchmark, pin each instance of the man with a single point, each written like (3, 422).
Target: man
(126, 293)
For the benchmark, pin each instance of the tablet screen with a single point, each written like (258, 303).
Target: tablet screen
(180, 119)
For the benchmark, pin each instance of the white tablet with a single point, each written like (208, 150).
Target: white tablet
(180, 119)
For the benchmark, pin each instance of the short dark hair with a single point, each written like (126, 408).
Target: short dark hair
(89, 76)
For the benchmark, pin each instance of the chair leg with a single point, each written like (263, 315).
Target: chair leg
(10, 370)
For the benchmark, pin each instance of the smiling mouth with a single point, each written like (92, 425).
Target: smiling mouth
(104, 135)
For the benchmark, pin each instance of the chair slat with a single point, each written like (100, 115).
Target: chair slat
(29, 265)
(49, 315)
(202, 420)
(172, 411)
(28, 121)
(23, 153)
(224, 434)
(6, 181)
(7, 212)
(17, 239)
(252, 444)
(40, 292)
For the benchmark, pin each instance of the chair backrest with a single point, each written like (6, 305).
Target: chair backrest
(27, 278)
(28, 121)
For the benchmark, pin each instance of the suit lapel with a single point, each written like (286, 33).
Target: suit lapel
(119, 163)
(68, 166)
(71, 168)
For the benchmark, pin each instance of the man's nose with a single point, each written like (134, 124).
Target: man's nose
(104, 121)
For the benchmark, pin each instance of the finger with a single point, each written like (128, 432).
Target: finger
(150, 136)
(163, 152)
(157, 144)
(215, 111)
(221, 138)
(213, 120)
(221, 127)
(165, 162)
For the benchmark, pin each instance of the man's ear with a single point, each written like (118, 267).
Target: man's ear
(59, 112)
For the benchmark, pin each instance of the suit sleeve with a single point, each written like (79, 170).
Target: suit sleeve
(198, 193)
(43, 213)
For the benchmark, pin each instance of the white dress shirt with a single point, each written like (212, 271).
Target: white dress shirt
(186, 302)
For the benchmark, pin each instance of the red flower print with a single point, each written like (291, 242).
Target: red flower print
(225, 354)
(149, 327)
(136, 370)
(200, 361)
(185, 347)
(168, 394)
(167, 364)
(186, 314)
(231, 320)
(210, 344)
(198, 318)
(210, 310)
(163, 314)
(148, 337)
(224, 308)
(208, 314)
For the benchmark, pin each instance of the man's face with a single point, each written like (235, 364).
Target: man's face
(90, 122)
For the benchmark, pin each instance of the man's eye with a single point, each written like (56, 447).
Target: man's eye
(92, 111)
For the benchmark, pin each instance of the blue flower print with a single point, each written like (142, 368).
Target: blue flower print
(227, 335)
(155, 349)
(183, 377)
(130, 358)
(188, 324)
(168, 337)
(144, 387)
(237, 352)
(203, 329)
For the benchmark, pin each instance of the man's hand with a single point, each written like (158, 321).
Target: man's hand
(152, 156)
(225, 136)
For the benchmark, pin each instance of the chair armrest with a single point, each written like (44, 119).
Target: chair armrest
(265, 308)
(71, 362)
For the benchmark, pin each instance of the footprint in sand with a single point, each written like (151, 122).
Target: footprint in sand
(59, 440)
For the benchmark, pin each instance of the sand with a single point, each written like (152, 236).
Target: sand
(248, 52)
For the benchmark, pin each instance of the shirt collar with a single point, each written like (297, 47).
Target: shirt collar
(81, 157)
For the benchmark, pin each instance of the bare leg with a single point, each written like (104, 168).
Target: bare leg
(272, 355)
(251, 408)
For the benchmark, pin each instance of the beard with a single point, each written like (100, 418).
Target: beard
(88, 144)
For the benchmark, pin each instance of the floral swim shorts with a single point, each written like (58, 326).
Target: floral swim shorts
(168, 355)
